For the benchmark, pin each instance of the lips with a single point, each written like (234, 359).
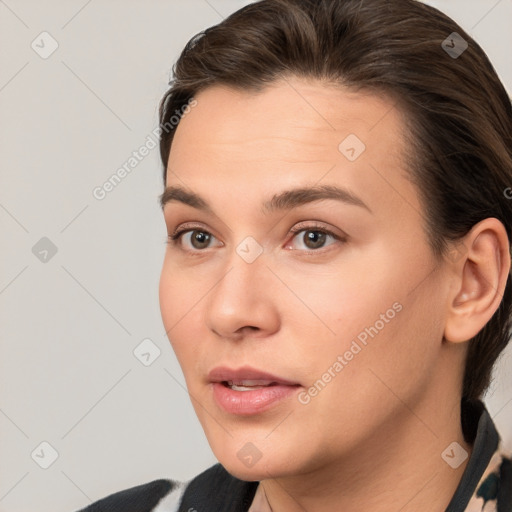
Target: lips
(247, 376)
(247, 391)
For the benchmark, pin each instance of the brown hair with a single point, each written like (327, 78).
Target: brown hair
(458, 112)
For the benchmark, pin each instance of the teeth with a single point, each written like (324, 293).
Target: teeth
(234, 387)
(249, 385)
(246, 383)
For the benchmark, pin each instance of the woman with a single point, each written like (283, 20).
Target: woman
(337, 284)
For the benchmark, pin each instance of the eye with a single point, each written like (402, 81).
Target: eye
(310, 238)
(196, 239)
(314, 237)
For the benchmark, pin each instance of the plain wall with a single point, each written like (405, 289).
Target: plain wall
(69, 325)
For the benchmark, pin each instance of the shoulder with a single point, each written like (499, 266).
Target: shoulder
(215, 487)
(143, 498)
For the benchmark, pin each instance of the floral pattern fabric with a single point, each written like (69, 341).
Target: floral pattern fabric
(485, 497)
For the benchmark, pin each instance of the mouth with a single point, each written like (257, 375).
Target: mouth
(247, 376)
(247, 391)
(247, 385)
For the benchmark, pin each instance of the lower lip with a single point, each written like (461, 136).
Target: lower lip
(250, 402)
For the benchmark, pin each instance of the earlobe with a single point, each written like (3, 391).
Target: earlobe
(481, 275)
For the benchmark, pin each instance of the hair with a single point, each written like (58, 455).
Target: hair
(456, 111)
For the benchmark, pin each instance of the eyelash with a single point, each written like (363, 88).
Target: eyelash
(178, 233)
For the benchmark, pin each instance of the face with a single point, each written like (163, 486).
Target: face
(300, 295)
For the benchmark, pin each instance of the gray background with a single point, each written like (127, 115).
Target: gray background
(69, 325)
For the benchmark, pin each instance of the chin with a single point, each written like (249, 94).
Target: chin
(250, 464)
(250, 474)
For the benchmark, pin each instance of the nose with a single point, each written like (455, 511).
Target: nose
(244, 301)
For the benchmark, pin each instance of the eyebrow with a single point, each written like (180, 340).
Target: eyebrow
(286, 200)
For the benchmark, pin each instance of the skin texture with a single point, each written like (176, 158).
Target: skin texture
(372, 438)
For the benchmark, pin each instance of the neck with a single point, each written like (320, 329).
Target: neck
(400, 468)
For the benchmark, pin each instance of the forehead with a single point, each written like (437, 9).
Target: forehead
(292, 110)
(293, 131)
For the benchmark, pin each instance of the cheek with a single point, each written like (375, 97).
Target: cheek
(180, 294)
(393, 354)
(168, 292)
(363, 317)
(332, 308)
(178, 308)
(337, 321)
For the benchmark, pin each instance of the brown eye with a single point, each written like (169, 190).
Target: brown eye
(314, 239)
(199, 239)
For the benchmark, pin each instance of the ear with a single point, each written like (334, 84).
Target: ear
(481, 265)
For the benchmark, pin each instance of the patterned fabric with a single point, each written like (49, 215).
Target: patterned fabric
(485, 497)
